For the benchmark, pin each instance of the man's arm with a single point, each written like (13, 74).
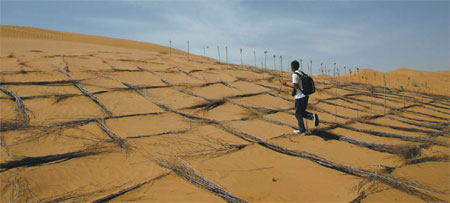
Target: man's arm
(291, 85)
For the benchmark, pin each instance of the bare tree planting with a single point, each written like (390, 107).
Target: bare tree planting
(345, 73)
(384, 109)
(356, 109)
(242, 61)
(335, 91)
(274, 65)
(218, 52)
(308, 68)
(254, 56)
(281, 72)
(265, 59)
(226, 54)
(301, 64)
(188, 50)
(281, 65)
(321, 68)
(357, 70)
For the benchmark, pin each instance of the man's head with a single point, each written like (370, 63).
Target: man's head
(294, 65)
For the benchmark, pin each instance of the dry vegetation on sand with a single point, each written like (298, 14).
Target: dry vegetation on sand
(86, 118)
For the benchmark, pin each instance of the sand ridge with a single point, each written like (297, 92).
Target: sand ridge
(408, 79)
(87, 118)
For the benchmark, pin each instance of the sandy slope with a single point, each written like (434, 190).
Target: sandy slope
(87, 118)
(413, 80)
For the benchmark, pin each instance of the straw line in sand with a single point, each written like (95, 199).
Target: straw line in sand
(19, 106)
(185, 170)
(405, 186)
(54, 158)
(120, 141)
(87, 93)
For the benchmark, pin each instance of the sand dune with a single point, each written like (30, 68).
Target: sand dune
(88, 118)
(408, 79)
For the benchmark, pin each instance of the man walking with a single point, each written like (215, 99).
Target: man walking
(301, 100)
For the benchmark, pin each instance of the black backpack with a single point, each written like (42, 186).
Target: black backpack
(307, 84)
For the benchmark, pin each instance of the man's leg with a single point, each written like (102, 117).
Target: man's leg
(299, 111)
(310, 116)
(307, 114)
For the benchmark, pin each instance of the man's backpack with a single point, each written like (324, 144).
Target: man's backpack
(308, 86)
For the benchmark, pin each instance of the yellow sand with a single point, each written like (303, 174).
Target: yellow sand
(160, 105)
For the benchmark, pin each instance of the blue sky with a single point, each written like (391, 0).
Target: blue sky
(382, 35)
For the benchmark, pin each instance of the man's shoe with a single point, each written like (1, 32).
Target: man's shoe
(300, 132)
(316, 119)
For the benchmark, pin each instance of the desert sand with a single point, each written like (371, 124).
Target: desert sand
(88, 118)
(408, 79)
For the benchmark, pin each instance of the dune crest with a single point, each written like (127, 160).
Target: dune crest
(7, 31)
(412, 80)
